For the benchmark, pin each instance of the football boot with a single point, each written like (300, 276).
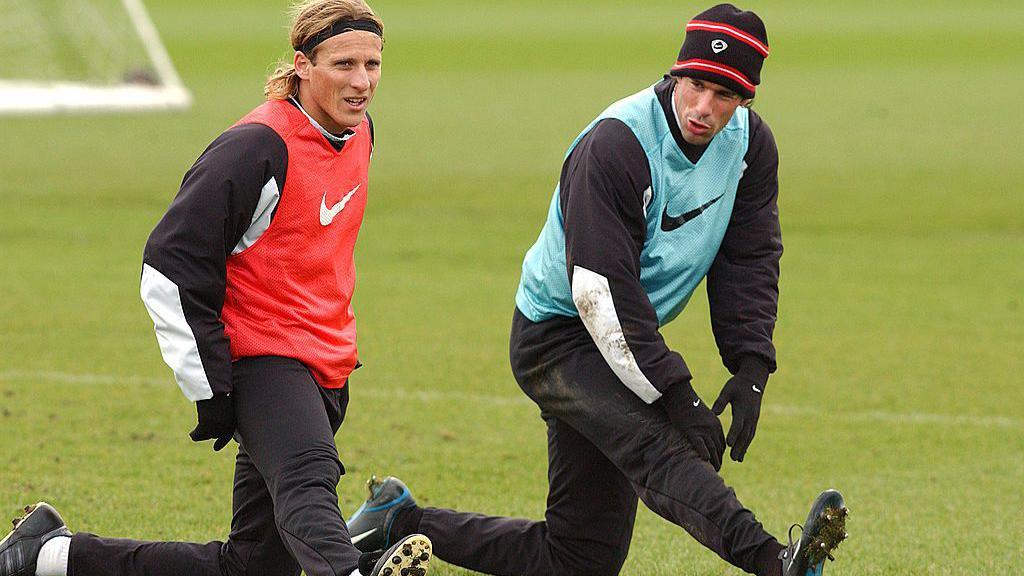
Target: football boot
(824, 529)
(410, 556)
(20, 549)
(370, 525)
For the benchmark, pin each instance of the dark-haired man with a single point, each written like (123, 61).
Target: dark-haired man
(666, 187)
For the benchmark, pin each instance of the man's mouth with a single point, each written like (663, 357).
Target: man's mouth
(356, 102)
(697, 127)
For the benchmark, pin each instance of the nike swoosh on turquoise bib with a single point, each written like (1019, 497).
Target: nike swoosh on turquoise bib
(670, 223)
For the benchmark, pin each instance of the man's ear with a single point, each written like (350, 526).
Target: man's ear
(302, 65)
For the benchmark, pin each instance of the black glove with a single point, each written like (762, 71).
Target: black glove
(216, 421)
(699, 426)
(744, 391)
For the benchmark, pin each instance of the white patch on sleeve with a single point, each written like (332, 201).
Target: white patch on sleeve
(593, 299)
(648, 194)
(177, 342)
(269, 197)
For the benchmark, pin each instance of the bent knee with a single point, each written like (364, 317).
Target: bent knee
(310, 467)
(255, 558)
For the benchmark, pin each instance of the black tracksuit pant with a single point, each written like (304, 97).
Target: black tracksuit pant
(606, 449)
(285, 515)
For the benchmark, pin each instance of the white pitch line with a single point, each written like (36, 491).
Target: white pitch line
(371, 392)
(500, 400)
(77, 378)
(901, 417)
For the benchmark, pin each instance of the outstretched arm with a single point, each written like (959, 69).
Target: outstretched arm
(743, 289)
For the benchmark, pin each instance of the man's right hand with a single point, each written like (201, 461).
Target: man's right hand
(216, 421)
(699, 425)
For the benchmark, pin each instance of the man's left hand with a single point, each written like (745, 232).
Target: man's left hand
(744, 393)
(216, 421)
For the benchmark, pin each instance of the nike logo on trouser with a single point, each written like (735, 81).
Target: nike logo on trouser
(670, 223)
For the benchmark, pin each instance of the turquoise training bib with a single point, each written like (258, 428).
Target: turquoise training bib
(687, 213)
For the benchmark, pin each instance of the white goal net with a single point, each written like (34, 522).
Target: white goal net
(83, 56)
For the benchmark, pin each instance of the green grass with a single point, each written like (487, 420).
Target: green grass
(901, 320)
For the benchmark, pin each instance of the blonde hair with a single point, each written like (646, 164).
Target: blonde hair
(309, 17)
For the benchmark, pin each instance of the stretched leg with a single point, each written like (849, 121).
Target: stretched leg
(587, 528)
(285, 501)
(605, 442)
(572, 382)
(253, 548)
(92, 555)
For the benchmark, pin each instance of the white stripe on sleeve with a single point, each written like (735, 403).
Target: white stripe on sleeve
(177, 342)
(593, 299)
(269, 197)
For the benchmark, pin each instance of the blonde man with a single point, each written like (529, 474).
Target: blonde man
(249, 278)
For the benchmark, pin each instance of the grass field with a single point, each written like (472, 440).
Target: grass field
(901, 328)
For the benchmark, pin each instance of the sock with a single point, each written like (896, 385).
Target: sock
(767, 559)
(406, 522)
(53, 557)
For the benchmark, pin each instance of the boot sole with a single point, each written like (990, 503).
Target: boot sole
(831, 532)
(410, 559)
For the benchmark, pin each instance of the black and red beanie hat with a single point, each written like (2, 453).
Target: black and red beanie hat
(724, 45)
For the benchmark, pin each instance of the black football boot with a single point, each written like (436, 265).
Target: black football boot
(20, 549)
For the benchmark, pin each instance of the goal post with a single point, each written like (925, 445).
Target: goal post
(69, 56)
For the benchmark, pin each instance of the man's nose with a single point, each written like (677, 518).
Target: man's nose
(704, 103)
(360, 78)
